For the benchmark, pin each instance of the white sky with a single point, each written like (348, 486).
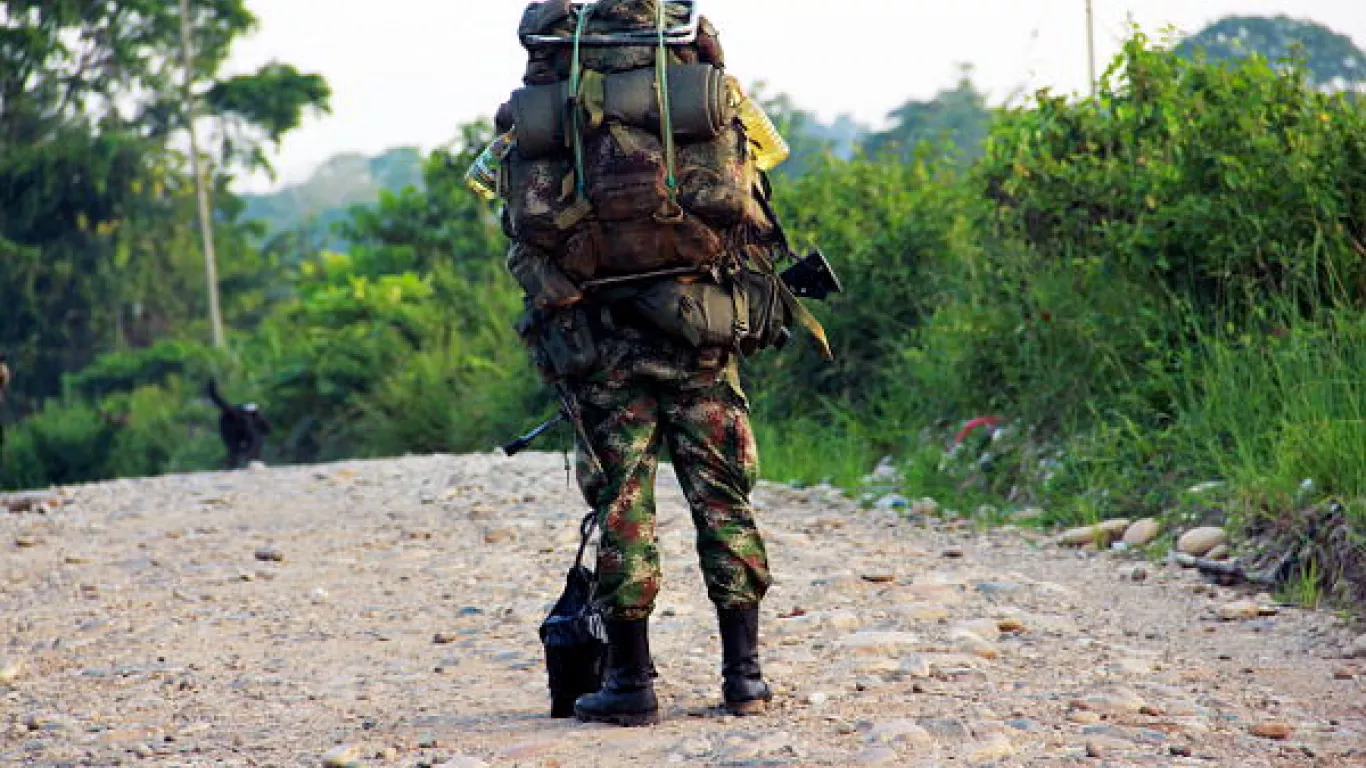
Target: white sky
(409, 72)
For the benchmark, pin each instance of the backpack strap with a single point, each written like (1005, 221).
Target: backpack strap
(666, 128)
(575, 83)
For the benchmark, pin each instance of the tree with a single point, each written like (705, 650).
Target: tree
(95, 233)
(959, 116)
(1328, 58)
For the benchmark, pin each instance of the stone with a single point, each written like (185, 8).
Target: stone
(987, 629)
(915, 665)
(974, 644)
(1101, 534)
(946, 730)
(1142, 532)
(345, 756)
(953, 553)
(269, 555)
(1011, 626)
(875, 643)
(989, 750)
(1103, 746)
(26, 540)
(10, 670)
(1220, 552)
(1197, 542)
(925, 507)
(902, 731)
(1240, 610)
(1357, 648)
(877, 756)
(499, 536)
(1272, 729)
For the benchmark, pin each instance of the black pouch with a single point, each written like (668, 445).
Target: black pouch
(769, 317)
(561, 340)
(574, 636)
(701, 313)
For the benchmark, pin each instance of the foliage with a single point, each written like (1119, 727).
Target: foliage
(98, 249)
(956, 117)
(1325, 57)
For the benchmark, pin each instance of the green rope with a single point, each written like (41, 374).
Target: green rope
(665, 117)
(575, 80)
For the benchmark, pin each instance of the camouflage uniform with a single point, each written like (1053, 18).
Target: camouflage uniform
(652, 392)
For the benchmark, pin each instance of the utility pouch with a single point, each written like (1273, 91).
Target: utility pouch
(562, 341)
(769, 317)
(700, 313)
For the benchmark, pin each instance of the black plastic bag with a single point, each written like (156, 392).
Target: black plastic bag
(573, 634)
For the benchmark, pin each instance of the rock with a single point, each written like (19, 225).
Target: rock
(879, 578)
(990, 750)
(26, 540)
(939, 594)
(10, 670)
(987, 629)
(1011, 626)
(952, 553)
(499, 536)
(1242, 609)
(817, 698)
(946, 730)
(1102, 746)
(974, 644)
(893, 501)
(925, 507)
(1199, 541)
(1272, 729)
(1101, 534)
(915, 665)
(879, 643)
(877, 756)
(1341, 673)
(1115, 701)
(345, 756)
(1220, 552)
(270, 555)
(1143, 532)
(1357, 648)
(903, 731)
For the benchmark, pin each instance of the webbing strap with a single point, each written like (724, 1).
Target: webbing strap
(665, 116)
(799, 312)
(575, 81)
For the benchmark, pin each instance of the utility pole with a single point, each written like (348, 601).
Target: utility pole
(1091, 46)
(201, 187)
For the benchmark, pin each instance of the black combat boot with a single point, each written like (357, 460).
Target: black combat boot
(743, 688)
(628, 690)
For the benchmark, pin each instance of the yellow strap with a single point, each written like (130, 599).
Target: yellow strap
(800, 313)
(592, 97)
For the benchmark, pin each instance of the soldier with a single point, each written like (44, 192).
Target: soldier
(635, 311)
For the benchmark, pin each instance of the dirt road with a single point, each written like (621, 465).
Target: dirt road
(384, 614)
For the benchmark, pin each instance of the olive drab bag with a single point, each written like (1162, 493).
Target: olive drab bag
(630, 166)
(602, 173)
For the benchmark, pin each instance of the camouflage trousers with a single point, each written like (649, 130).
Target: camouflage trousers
(707, 432)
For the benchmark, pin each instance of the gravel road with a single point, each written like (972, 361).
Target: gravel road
(384, 613)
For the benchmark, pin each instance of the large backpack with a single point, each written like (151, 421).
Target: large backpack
(631, 166)
(603, 176)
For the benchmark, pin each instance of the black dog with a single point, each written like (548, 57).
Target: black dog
(242, 428)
